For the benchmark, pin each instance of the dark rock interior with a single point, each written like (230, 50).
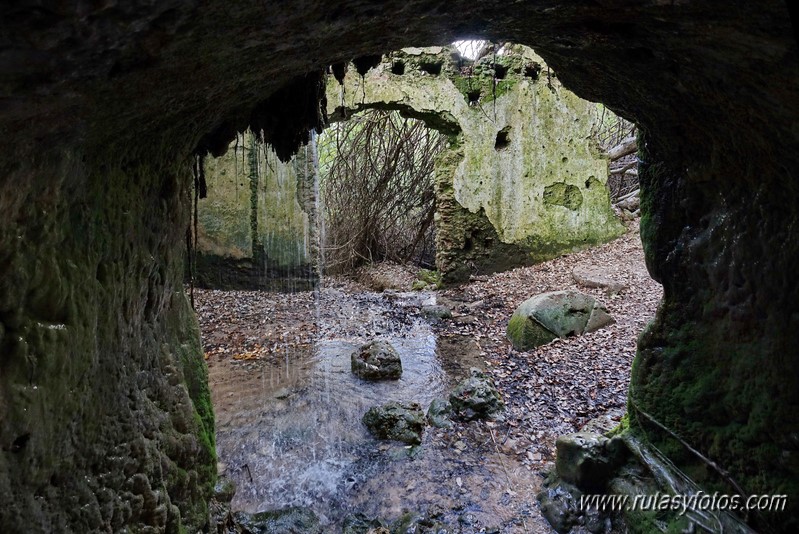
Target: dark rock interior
(105, 419)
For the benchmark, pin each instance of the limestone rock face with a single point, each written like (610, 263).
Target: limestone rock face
(377, 360)
(542, 318)
(397, 421)
(256, 228)
(101, 122)
(476, 398)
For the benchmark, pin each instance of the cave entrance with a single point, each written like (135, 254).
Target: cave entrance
(289, 408)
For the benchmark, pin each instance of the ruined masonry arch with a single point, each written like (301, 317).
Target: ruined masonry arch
(522, 180)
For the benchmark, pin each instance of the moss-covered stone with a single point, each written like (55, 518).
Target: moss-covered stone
(476, 397)
(430, 279)
(545, 317)
(403, 422)
(376, 360)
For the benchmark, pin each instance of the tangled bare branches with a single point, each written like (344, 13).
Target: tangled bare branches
(616, 137)
(377, 188)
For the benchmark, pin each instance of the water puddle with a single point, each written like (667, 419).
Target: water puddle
(289, 431)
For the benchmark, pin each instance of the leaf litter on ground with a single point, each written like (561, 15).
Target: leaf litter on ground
(552, 390)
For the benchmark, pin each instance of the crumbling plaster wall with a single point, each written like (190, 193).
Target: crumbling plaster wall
(522, 181)
(104, 104)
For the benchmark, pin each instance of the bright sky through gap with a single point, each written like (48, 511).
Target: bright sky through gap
(469, 49)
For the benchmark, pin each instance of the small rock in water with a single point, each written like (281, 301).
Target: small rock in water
(282, 393)
(377, 360)
(439, 412)
(476, 398)
(436, 312)
(397, 421)
(361, 524)
(294, 520)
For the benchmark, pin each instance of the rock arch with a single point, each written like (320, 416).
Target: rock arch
(105, 419)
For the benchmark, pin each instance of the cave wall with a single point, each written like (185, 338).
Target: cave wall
(135, 88)
(254, 228)
(522, 180)
(105, 413)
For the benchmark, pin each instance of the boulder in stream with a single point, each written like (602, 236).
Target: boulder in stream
(439, 412)
(436, 312)
(547, 316)
(476, 398)
(398, 421)
(377, 360)
(362, 524)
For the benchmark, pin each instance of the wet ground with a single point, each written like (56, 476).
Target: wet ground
(288, 409)
(290, 432)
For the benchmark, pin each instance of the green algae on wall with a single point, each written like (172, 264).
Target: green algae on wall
(106, 423)
(253, 228)
(523, 181)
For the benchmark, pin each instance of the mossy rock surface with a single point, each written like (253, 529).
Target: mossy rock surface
(397, 421)
(510, 191)
(439, 412)
(476, 398)
(362, 524)
(548, 316)
(377, 360)
(293, 520)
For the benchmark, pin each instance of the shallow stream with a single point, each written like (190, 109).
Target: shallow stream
(289, 429)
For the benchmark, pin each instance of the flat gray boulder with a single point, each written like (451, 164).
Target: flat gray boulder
(598, 277)
(548, 316)
(377, 360)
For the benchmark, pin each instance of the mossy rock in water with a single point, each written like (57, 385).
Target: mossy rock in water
(541, 319)
(436, 312)
(361, 524)
(439, 412)
(427, 279)
(397, 421)
(476, 398)
(293, 520)
(377, 360)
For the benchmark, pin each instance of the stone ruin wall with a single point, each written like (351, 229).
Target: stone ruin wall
(522, 179)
